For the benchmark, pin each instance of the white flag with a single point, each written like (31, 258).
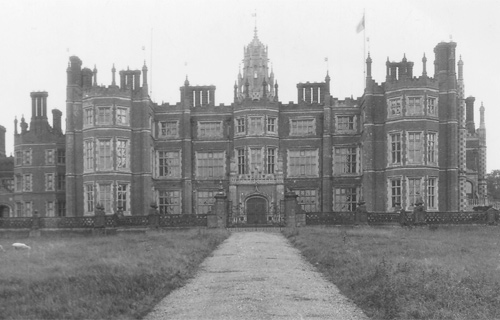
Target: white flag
(361, 25)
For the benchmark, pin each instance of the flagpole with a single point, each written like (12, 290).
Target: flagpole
(364, 50)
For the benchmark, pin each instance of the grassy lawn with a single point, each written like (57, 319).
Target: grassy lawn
(396, 273)
(113, 277)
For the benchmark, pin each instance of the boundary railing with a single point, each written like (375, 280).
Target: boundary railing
(110, 221)
(391, 218)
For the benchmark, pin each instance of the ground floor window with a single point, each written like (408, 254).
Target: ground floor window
(395, 192)
(105, 198)
(169, 202)
(49, 209)
(432, 193)
(414, 191)
(308, 200)
(205, 200)
(122, 196)
(89, 198)
(19, 209)
(61, 208)
(345, 199)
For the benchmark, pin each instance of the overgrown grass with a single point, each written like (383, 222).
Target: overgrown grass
(420, 273)
(113, 277)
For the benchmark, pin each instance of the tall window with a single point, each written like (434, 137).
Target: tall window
(169, 129)
(27, 183)
(19, 209)
(88, 155)
(49, 209)
(19, 158)
(28, 208)
(27, 161)
(432, 193)
(169, 164)
(122, 116)
(431, 147)
(61, 182)
(395, 140)
(271, 160)
(414, 106)
(432, 106)
(61, 156)
(345, 160)
(303, 163)
(122, 154)
(122, 196)
(345, 123)
(210, 164)
(105, 197)
(256, 160)
(88, 116)
(210, 129)
(271, 124)
(394, 107)
(345, 199)
(300, 127)
(89, 198)
(414, 147)
(395, 192)
(205, 201)
(169, 202)
(255, 125)
(103, 115)
(49, 156)
(104, 158)
(241, 161)
(18, 182)
(61, 208)
(240, 125)
(49, 182)
(307, 199)
(414, 191)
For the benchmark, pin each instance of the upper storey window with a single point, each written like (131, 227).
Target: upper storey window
(394, 107)
(271, 125)
(122, 117)
(210, 129)
(27, 159)
(303, 163)
(346, 123)
(255, 125)
(414, 106)
(88, 116)
(240, 125)
(432, 104)
(104, 115)
(169, 129)
(300, 127)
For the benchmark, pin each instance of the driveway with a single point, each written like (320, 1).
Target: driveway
(256, 275)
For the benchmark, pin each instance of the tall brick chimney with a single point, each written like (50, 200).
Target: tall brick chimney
(2, 141)
(56, 120)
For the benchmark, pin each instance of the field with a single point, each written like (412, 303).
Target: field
(112, 277)
(419, 273)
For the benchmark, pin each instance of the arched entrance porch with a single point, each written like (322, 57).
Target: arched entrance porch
(5, 211)
(256, 210)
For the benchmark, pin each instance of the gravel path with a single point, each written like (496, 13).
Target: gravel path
(256, 275)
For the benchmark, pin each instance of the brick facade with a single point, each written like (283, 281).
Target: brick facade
(405, 139)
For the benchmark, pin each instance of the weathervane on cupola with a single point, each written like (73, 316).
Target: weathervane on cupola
(255, 82)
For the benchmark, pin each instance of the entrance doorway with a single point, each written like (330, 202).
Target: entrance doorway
(256, 210)
(4, 211)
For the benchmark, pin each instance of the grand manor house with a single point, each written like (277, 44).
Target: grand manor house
(408, 138)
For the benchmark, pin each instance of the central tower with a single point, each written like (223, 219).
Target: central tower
(255, 83)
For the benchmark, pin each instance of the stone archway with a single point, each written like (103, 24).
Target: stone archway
(256, 210)
(5, 211)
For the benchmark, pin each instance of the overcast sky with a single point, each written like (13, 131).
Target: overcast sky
(205, 39)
